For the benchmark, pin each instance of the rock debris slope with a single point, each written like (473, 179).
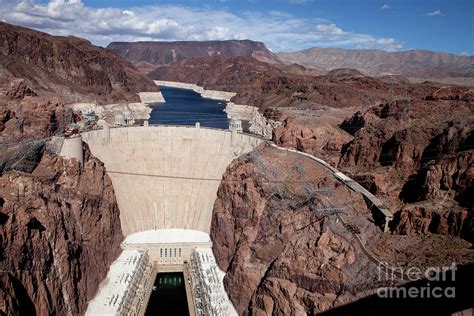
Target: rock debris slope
(69, 67)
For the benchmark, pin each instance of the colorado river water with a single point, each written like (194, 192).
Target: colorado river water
(168, 296)
(186, 107)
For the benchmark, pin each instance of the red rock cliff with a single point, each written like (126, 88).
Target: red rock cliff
(69, 67)
(282, 255)
(59, 232)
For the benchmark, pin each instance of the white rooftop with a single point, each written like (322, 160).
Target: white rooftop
(113, 289)
(214, 282)
(168, 236)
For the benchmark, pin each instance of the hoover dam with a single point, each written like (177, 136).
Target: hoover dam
(165, 180)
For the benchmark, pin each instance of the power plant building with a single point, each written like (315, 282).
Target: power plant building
(124, 289)
(209, 294)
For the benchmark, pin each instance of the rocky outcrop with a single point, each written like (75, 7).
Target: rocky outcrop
(423, 152)
(405, 151)
(355, 122)
(320, 139)
(68, 67)
(435, 218)
(432, 162)
(452, 93)
(19, 89)
(282, 255)
(403, 132)
(33, 118)
(59, 232)
(448, 178)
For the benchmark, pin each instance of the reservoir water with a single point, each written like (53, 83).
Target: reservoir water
(168, 296)
(186, 107)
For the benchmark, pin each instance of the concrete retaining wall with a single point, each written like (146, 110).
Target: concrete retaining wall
(151, 97)
(72, 149)
(166, 176)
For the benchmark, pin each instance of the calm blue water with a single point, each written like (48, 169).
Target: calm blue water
(186, 107)
(168, 296)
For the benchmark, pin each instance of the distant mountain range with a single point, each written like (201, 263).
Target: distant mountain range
(164, 53)
(411, 63)
(421, 64)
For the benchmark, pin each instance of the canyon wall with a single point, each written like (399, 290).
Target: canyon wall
(283, 254)
(59, 222)
(59, 232)
(419, 153)
(293, 241)
(68, 67)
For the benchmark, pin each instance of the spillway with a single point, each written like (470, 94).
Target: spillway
(166, 176)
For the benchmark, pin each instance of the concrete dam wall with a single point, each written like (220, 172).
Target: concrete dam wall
(166, 176)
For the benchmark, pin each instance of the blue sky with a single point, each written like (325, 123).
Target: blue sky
(284, 25)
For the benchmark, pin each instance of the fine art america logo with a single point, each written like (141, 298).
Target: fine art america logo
(438, 282)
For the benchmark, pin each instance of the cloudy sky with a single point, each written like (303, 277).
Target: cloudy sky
(284, 25)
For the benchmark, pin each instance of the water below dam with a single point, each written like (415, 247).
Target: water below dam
(186, 107)
(168, 296)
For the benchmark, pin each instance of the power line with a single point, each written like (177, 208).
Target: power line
(428, 157)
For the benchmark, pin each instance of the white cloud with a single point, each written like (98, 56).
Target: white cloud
(435, 13)
(331, 33)
(279, 30)
(328, 29)
(386, 7)
(465, 54)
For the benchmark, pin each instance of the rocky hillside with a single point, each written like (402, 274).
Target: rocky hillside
(59, 221)
(414, 153)
(389, 142)
(33, 118)
(412, 63)
(419, 156)
(262, 85)
(282, 255)
(59, 232)
(288, 248)
(68, 67)
(163, 53)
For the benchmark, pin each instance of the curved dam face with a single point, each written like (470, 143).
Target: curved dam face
(166, 176)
